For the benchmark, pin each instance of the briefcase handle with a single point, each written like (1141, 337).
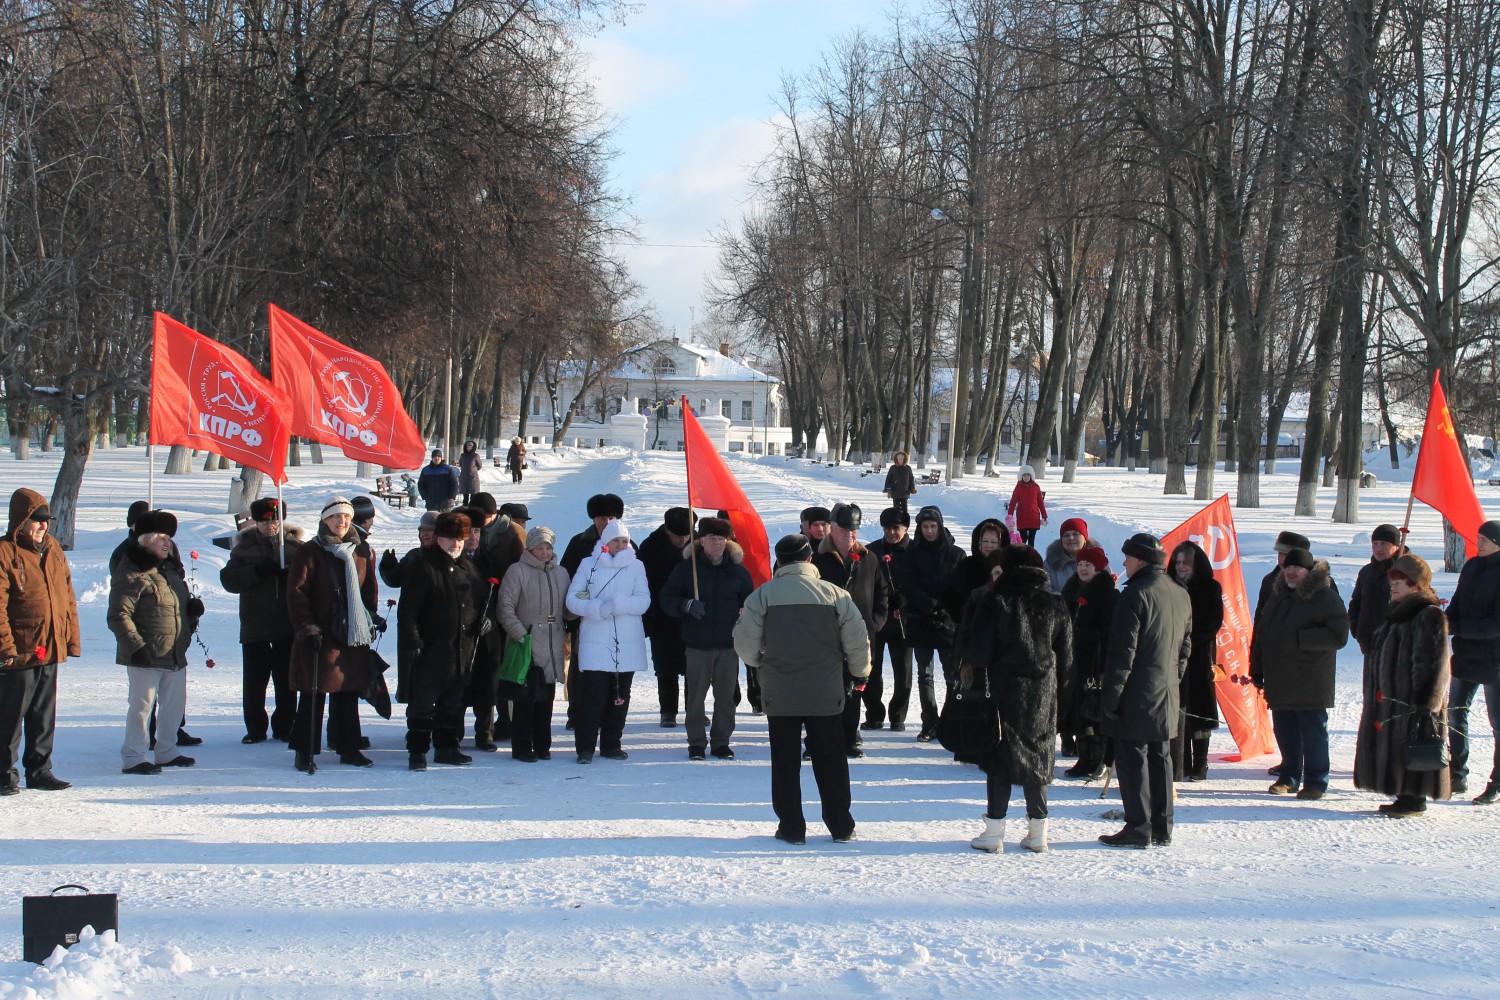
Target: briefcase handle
(71, 885)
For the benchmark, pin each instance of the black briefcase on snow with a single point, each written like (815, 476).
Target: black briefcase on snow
(52, 920)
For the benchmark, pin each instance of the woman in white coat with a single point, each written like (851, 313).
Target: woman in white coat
(609, 593)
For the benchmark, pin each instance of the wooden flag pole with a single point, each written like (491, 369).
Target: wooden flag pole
(688, 475)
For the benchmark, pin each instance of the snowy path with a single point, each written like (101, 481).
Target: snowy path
(660, 876)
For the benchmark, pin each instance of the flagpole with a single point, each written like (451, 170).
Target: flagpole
(280, 535)
(150, 473)
(688, 475)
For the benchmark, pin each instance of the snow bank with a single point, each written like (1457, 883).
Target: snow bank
(97, 966)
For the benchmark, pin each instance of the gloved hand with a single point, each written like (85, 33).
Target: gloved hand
(695, 608)
(378, 623)
(859, 686)
(141, 657)
(267, 569)
(195, 608)
(1259, 682)
(483, 627)
(606, 609)
(312, 639)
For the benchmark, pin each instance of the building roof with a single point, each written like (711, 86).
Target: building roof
(710, 365)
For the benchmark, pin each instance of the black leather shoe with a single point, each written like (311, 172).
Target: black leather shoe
(723, 753)
(484, 743)
(144, 767)
(451, 756)
(181, 760)
(356, 759)
(898, 727)
(306, 764)
(697, 753)
(1489, 796)
(1165, 841)
(854, 753)
(791, 838)
(869, 726)
(45, 781)
(186, 739)
(1125, 838)
(614, 754)
(544, 755)
(247, 739)
(524, 758)
(9, 789)
(416, 761)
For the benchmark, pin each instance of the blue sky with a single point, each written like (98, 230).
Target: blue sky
(692, 85)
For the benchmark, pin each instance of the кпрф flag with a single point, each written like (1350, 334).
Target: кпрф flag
(711, 486)
(342, 397)
(1442, 479)
(203, 395)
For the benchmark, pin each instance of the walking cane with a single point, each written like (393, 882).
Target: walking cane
(1109, 773)
(474, 653)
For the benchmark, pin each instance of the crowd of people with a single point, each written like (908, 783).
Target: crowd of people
(1119, 674)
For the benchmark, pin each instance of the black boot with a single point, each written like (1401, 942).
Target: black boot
(306, 764)
(1199, 769)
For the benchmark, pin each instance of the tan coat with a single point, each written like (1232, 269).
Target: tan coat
(532, 599)
(148, 609)
(310, 600)
(37, 606)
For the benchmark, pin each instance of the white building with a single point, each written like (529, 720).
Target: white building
(638, 404)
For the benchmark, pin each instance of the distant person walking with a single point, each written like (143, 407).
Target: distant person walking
(470, 462)
(438, 483)
(900, 481)
(515, 459)
(1028, 504)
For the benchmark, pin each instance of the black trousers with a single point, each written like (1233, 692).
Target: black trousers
(874, 693)
(825, 744)
(267, 663)
(998, 790)
(1028, 535)
(491, 705)
(1144, 774)
(28, 704)
(531, 717)
(602, 700)
(850, 721)
(669, 660)
(343, 722)
(434, 717)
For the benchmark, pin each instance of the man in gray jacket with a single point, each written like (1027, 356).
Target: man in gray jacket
(1150, 637)
(803, 633)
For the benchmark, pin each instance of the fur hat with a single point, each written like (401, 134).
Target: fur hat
(679, 520)
(1299, 557)
(516, 512)
(540, 535)
(141, 506)
(429, 521)
(268, 509)
(1146, 548)
(606, 505)
(613, 530)
(717, 526)
(364, 508)
(453, 524)
(337, 505)
(1077, 524)
(1490, 530)
(893, 516)
(1415, 569)
(793, 549)
(1288, 540)
(812, 515)
(1095, 556)
(156, 522)
(847, 516)
(1388, 533)
(1018, 556)
(484, 502)
(1026, 470)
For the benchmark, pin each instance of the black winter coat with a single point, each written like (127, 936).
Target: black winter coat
(1294, 651)
(1474, 621)
(1372, 595)
(661, 557)
(860, 576)
(440, 609)
(923, 575)
(393, 571)
(722, 589)
(1406, 678)
(900, 482)
(886, 556)
(1092, 606)
(1150, 637)
(1199, 699)
(255, 573)
(1022, 638)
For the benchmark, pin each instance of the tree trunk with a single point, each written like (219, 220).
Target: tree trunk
(315, 448)
(78, 446)
(179, 461)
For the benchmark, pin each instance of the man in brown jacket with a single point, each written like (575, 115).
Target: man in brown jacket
(38, 630)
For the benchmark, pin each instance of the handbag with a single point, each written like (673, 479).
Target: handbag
(516, 662)
(970, 723)
(1426, 749)
(375, 691)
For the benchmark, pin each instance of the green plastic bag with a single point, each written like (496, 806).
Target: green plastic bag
(516, 662)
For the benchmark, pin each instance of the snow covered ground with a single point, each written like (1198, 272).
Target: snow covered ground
(660, 876)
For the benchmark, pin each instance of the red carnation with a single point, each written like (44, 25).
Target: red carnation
(886, 557)
(209, 663)
(41, 652)
(1379, 697)
(194, 553)
(1083, 602)
(1380, 726)
(494, 582)
(854, 557)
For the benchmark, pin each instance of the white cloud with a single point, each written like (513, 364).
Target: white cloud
(625, 77)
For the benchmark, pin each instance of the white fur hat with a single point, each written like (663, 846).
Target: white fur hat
(612, 530)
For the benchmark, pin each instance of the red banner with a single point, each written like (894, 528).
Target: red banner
(342, 397)
(711, 486)
(1212, 529)
(1442, 479)
(203, 395)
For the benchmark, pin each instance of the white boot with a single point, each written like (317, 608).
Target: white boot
(993, 837)
(1036, 835)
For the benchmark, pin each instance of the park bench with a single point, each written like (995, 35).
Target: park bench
(932, 478)
(388, 492)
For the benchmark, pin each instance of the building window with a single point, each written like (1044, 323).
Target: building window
(726, 408)
(1007, 434)
(702, 407)
(755, 447)
(536, 405)
(942, 442)
(736, 446)
(665, 366)
(747, 410)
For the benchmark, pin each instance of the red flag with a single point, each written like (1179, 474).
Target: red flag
(713, 487)
(341, 397)
(1442, 480)
(1212, 528)
(203, 395)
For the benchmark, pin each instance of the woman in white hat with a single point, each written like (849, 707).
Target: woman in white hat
(609, 593)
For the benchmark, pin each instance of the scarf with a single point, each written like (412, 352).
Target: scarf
(358, 620)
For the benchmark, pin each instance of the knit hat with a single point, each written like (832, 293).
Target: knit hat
(930, 513)
(847, 516)
(453, 525)
(337, 505)
(1146, 548)
(606, 505)
(429, 520)
(717, 526)
(364, 508)
(156, 522)
(1299, 557)
(812, 515)
(1095, 556)
(141, 506)
(1077, 524)
(1391, 533)
(893, 516)
(1288, 540)
(516, 512)
(1490, 530)
(267, 509)
(484, 502)
(540, 535)
(793, 549)
(613, 530)
(679, 520)
(1415, 569)
(1018, 556)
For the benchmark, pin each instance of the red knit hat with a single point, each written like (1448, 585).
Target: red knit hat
(1096, 555)
(1077, 524)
